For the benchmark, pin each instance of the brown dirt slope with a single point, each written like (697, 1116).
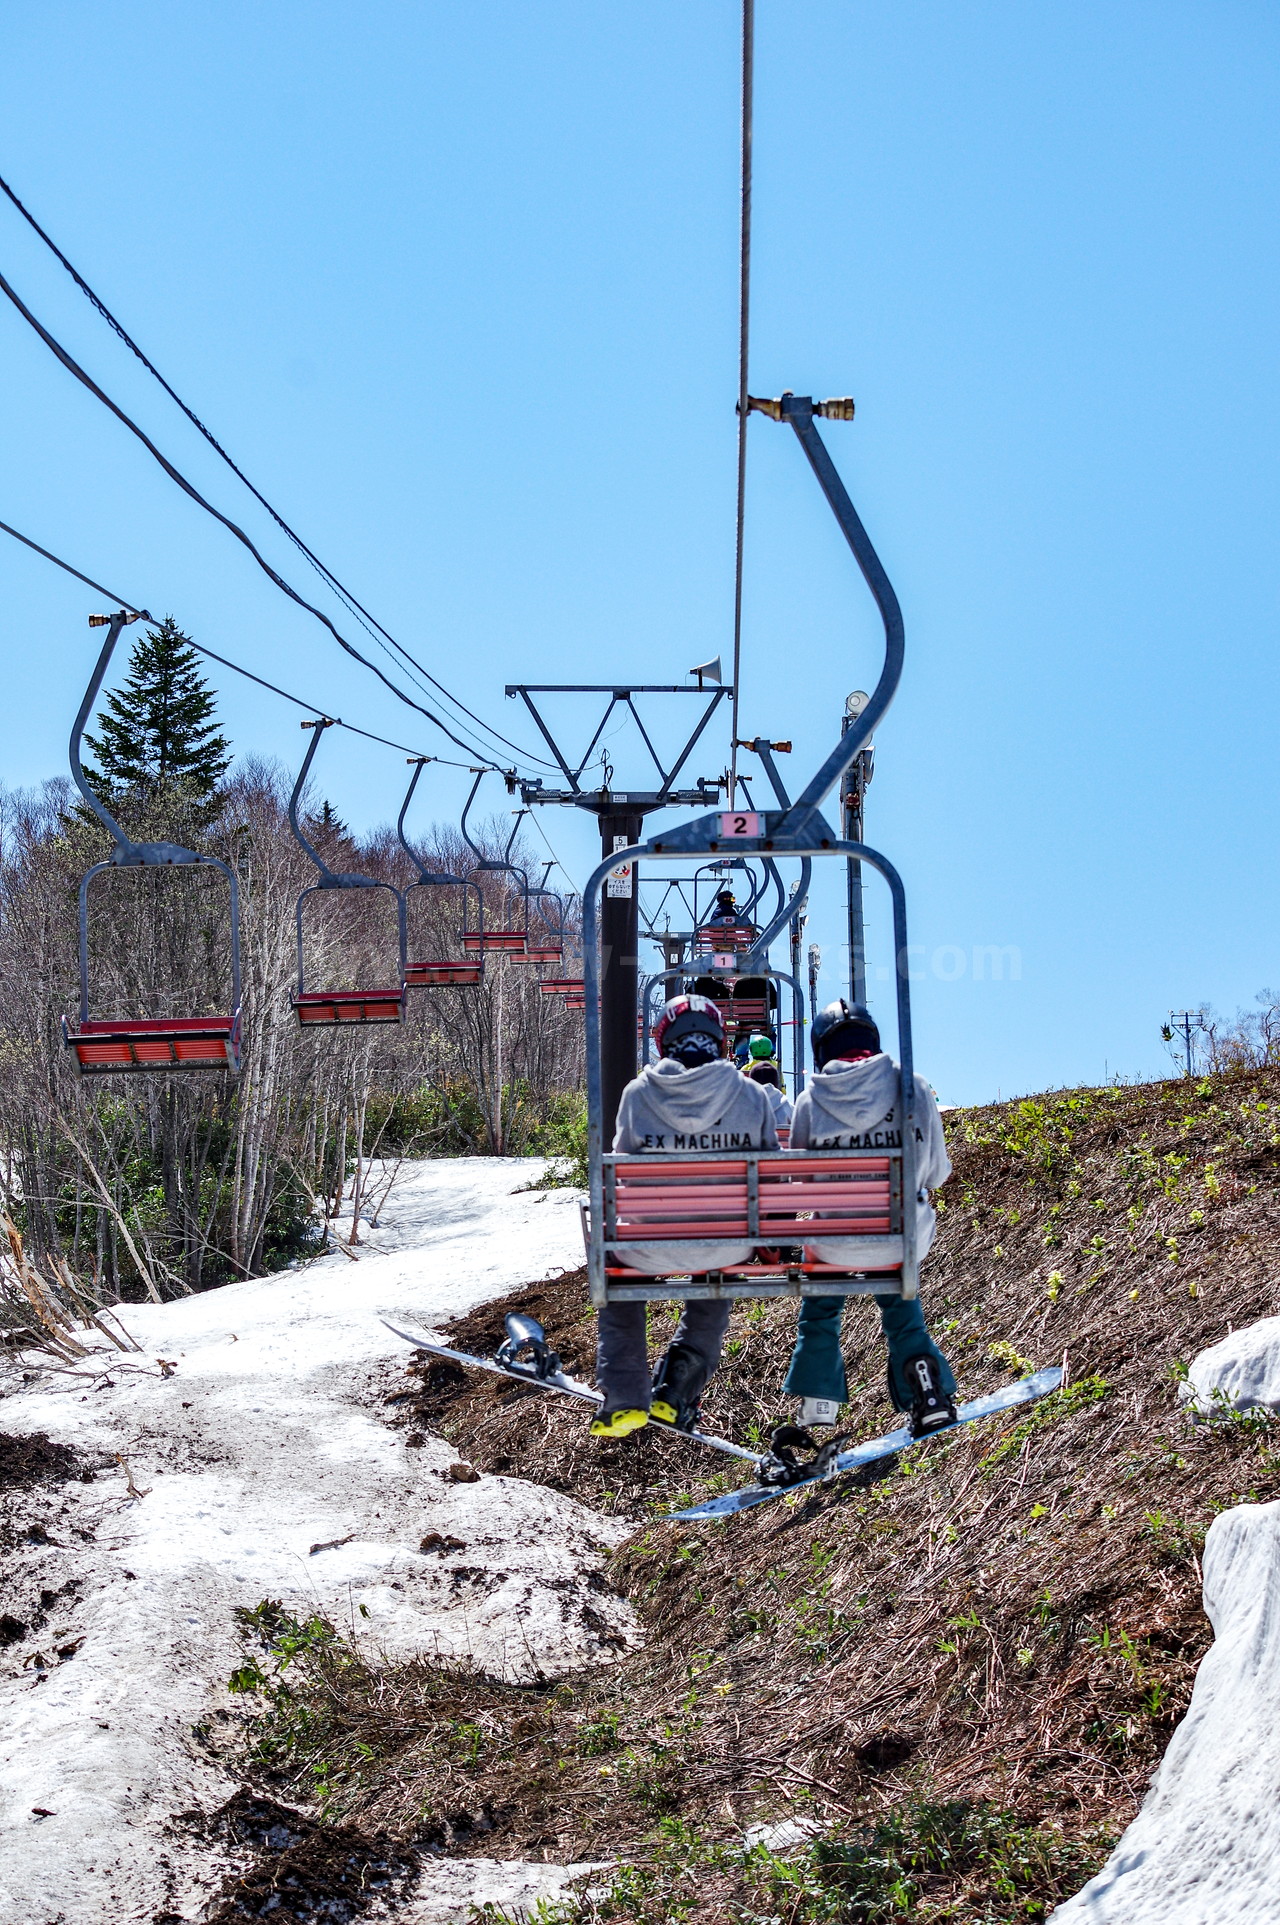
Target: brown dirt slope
(1007, 1623)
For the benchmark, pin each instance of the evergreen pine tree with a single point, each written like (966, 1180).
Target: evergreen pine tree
(157, 734)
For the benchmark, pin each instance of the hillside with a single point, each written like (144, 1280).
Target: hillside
(959, 1671)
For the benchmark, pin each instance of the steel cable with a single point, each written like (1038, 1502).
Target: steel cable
(312, 708)
(367, 621)
(87, 380)
(744, 318)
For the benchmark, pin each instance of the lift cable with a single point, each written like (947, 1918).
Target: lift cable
(744, 317)
(87, 380)
(312, 708)
(537, 822)
(368, 622)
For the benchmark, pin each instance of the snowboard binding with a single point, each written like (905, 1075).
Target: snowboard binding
(526, 1350)
(931, 1408)
(782, 1467)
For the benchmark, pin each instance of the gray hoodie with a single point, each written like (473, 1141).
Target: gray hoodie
(854, 1106)
(672, 1109)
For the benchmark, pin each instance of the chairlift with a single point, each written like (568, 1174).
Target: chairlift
(744, 1015)
(330, 1008)
(112, 1045)
(765, 1199)
(499, 942)
(747, 999)
(721, 941)
(545, 948)
(438, 975)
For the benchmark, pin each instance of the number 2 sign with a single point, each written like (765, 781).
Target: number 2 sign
(739, 825)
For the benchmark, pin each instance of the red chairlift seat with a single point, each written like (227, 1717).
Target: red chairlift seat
(442, 975)
(732, 938)
(321, 1007)
(494, 942)
(541, 952)
(561, 986)
(103, 1047)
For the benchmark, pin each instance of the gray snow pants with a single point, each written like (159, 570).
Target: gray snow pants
(622, 1347)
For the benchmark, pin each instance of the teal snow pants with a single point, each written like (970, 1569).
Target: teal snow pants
(817, 1367)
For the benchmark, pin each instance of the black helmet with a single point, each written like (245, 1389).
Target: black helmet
(842, 1029)
(685, 1017)
(764, 1070)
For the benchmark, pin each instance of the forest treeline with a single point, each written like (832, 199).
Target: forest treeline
(152, 1185)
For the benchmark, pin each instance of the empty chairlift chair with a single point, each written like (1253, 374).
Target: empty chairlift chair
(110, 1045)
(547, 946)
(332, 1008)
(427, 973)
(496, 942)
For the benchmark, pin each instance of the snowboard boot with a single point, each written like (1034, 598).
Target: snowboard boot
(817, 1410)
(931, 1408)
(618, 1423)
(677, 1387)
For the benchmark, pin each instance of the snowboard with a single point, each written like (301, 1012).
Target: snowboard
(830, 1463)
(527, 1358)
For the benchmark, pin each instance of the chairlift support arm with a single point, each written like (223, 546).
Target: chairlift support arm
(428, 876)
(798, 411)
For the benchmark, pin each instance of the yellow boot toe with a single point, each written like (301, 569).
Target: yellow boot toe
(618, 1423)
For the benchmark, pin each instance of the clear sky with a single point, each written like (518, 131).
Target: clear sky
(457, 287)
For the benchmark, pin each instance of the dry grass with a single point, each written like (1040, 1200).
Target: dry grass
(1007, 1621)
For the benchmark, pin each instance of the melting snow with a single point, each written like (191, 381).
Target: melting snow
(1242, 1372)
(1203, 1848)
(268, 1438)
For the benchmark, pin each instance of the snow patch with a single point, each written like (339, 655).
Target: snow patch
(267, 1438)
(451, 1886)
(1204, 1846)
(1242, 1372)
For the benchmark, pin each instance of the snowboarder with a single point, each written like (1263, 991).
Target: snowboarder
(764, 1070)
(726, 913)
(690, 1099)
(851, 1103)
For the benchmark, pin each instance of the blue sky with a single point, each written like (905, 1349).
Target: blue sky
(457, 287)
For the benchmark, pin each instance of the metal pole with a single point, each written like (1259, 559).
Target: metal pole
(853, 790)
(852, 832)
(797, 1014)
(619, 976)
